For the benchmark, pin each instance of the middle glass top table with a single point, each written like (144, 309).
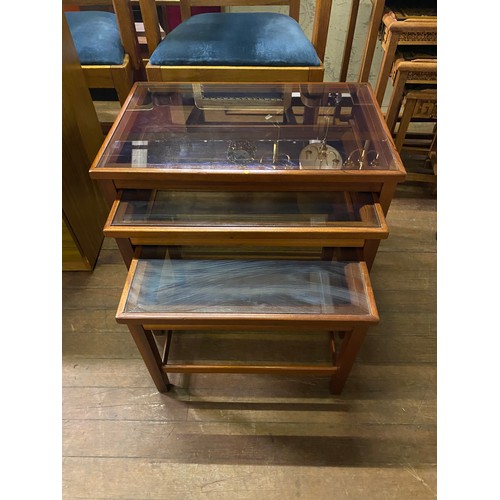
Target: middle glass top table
(193, 208)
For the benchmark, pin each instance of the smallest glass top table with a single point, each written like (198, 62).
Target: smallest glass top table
(331, 127)
(254, 291)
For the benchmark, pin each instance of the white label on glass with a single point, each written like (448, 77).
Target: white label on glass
(139, 154)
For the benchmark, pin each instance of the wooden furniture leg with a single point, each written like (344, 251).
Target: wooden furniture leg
(110, 194)
(146, 344)
(418, 104)
(371, 39)
(345, 359)
(370, 251)
(385, 68)
(386, 195)
(126, 249)
(405, 122)
(433, 155)
(123, 79)
(396, 99)
(417, 71)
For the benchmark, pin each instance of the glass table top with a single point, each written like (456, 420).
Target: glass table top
(255, 287)
(240, 208)
(331, 127)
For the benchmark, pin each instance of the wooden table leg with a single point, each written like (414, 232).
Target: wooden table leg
(370, 251)
(386, 195)
(126, 250)
(146, 344)
(345, 359)
(110, 194)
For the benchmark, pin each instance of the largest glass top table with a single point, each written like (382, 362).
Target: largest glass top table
(303, 132)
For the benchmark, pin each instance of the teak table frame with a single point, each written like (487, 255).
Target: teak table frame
(346, 336)
(344, 351)
(354, 243)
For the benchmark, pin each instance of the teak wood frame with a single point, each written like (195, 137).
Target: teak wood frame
(237, 73)
(120, 77)
(343, 358)
(417, 71)
(352, 330)
(365, 236)
(426, 99)
(382, 184)
(419, 104)
(367, 240)
(355, 244)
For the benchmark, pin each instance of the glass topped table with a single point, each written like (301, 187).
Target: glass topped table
(182, 295)
(248, 207)
(281, 164)
(171, 292)
(307, 131)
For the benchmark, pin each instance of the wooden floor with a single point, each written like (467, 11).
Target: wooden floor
(254, 436)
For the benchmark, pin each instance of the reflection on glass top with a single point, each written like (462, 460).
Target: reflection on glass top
(246, 287)
(250, 127)
(231, 209)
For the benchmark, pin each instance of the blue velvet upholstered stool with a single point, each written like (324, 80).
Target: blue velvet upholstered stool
(106, 44)
(236, 46)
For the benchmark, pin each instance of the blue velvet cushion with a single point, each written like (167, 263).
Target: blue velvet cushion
(96, 37)
(236, 39)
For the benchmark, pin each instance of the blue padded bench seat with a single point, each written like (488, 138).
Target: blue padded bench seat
(236, 39)
(96, 37)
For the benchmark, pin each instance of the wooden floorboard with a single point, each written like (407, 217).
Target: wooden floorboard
(254, 436)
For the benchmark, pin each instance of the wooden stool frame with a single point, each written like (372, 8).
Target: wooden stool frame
(421, 104)
(417, 71)
(344, 348)
(407, 32)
